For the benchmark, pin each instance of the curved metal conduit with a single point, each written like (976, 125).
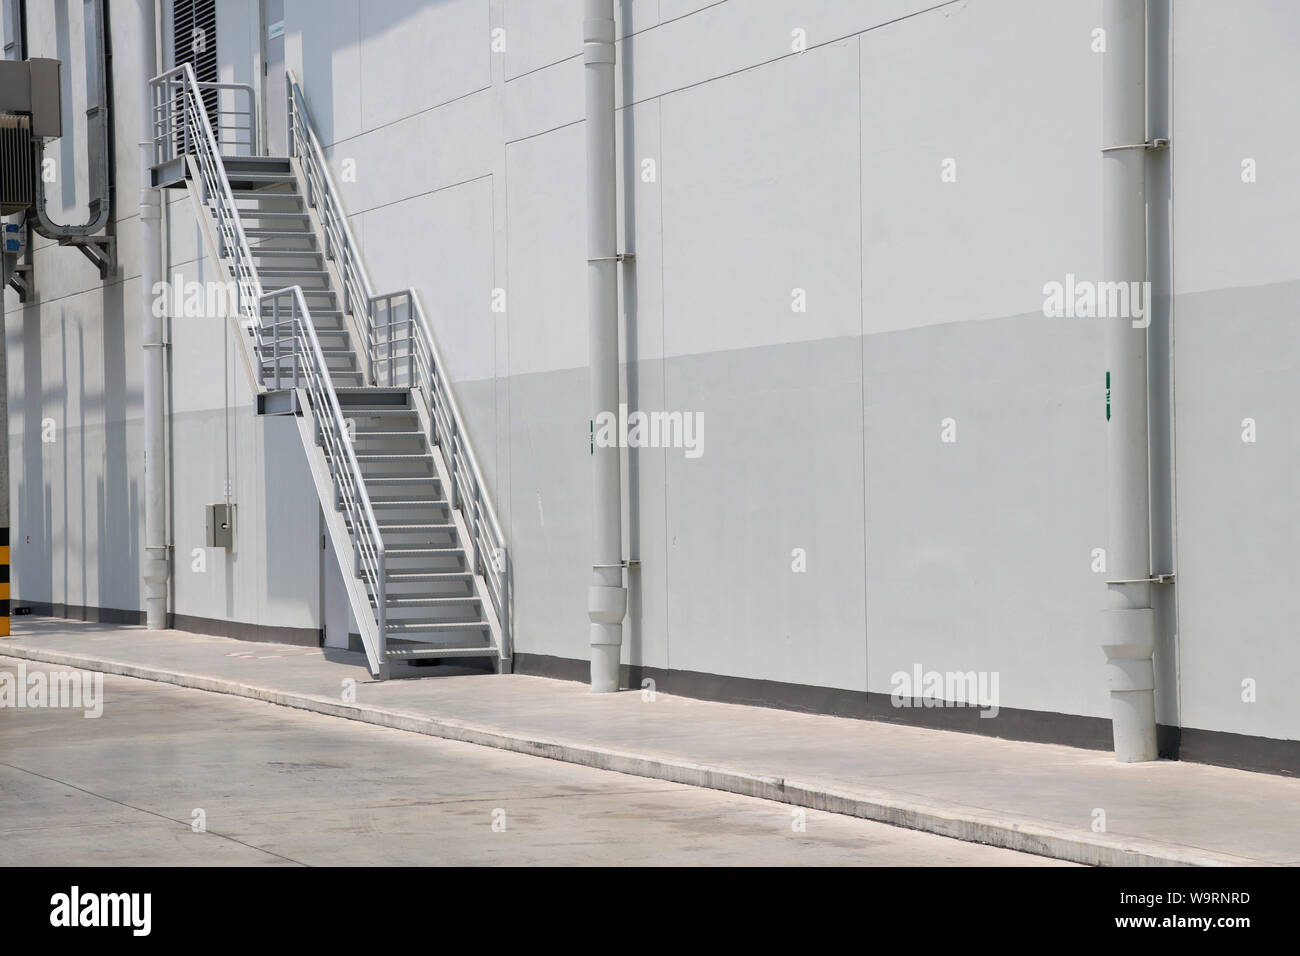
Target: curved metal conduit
(97, 136)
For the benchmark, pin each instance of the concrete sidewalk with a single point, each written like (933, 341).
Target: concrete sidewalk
(1035, 798)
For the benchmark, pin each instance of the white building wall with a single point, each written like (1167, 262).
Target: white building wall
(1237, 294)
(74, 363)
(775, 171)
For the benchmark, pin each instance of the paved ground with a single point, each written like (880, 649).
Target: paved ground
(1035, 797)
(281, 786)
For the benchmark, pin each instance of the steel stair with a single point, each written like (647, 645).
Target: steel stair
(419, 545)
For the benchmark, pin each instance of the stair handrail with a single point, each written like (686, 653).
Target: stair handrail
(489, 553)
(309, 370)
(322, 195)
(182, 128)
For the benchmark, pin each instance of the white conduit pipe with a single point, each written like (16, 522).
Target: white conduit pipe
(1129, 621)
(156, 556)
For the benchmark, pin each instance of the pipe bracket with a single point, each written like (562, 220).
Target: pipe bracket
(1151, 145)
(1163, 578)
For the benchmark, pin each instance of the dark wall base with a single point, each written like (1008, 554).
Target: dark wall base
(1261, 754)
(76, 612)
(1264, 754)
(299, 636)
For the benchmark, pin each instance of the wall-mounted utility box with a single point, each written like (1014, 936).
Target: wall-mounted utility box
(32, 87)
(221, 526)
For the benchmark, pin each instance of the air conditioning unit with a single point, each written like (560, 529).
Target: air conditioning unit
(30, 111)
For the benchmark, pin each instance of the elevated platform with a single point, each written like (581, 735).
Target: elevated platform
(244, 172)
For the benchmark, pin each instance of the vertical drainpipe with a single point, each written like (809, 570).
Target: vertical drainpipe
(155, 465)
(606, 597)
(1129, 621)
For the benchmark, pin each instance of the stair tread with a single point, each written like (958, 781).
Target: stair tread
(325, 350)
(403, 551)
(401, 601)
(416, 527)
(263, 194)
(401, 479)
(400, 653)
(410, 502)
(429, 575)
(364, 412)
(434, 626)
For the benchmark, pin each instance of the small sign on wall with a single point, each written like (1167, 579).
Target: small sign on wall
(15, 239)
(275, 30)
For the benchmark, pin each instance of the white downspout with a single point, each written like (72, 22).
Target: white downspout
(606, 598)
(1129, 621)
(155, 465)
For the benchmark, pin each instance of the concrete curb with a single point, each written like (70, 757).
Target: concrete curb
(971, 824)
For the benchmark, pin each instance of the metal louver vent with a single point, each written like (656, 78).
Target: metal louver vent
(194, 41)
(17, 164)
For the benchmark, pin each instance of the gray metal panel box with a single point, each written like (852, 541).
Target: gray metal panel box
(221, 526)
(33, 86)
(47, 108)
(15, 86)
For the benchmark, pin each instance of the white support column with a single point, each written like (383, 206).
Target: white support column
(606, 598)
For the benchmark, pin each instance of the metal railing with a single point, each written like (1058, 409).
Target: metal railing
(322, 196)
(181, 128)
(232, 107)
(402, 352)
(407, 354)
(296, 361)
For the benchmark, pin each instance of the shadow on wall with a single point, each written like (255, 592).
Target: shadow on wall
(292, 543)
(32, 555)
(67, 449)
(118, 493)
(317, 71)
(68, 141)
(1160, 348)
(632, 370)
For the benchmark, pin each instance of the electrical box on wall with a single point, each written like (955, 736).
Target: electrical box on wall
(221, 526)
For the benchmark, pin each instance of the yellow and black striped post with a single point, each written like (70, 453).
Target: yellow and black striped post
(4, 582)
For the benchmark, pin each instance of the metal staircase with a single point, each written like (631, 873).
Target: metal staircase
(419, 544)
